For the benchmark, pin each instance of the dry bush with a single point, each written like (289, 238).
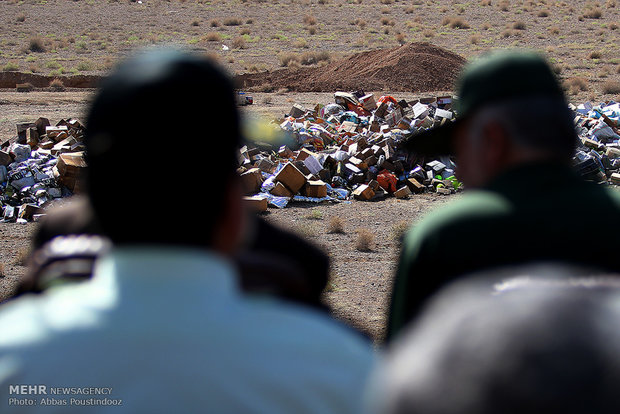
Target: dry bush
(554, 30)
(475, 39)
(300, 43)
(314, 57)
(57, 85)
(387, 2)
(364, 241)
(232, 21)
(410, 10)
(576, 85)
(485, 26)
(595, 54)
(21, 17)
(195, 23)
(543, 13)
(23, 255)
(2, 270)
(361, 23)
(215, 23)
(401, 38)
(213, 37)
(386, 10)
(398, 232)
(309, 20)
(520, 25)
(286, 58)
(485, 2)
(504, 5)
(245, 31)
(238, 42)
(613, 26)
(428, 33)
(336, 225)
(592, 12)
(455, 23)
(24, 87)
(385, 21)
(36, 44)
(611, 87)
(312, 30)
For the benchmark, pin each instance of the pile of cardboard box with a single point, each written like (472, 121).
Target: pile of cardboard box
(45, 162)
(350, 148)
(598, 154)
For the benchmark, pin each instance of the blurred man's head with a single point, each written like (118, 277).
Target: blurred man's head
(548, 347)
(161, 139)
(511, 110)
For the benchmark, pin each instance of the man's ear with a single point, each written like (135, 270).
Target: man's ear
(230, 226)
(498, 146)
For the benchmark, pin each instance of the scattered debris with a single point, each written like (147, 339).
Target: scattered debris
(598, 154)
(349, 149)
(45, 162)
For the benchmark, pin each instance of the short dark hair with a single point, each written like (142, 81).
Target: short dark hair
(161, 136)
(543, 347)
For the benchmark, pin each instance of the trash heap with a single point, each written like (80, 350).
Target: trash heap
(350, 148)
(44, 163)
(598, 154)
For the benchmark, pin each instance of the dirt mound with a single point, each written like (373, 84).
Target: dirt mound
(415, 67)
(11, 79)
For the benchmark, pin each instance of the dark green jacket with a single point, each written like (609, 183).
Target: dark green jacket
(532, 213)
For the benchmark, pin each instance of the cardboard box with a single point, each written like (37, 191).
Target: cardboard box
(363, 192)
(251, 181)
(5, 158)
(316, 188)
(291, 177)
(414, 185)
(402, 192)
(615, 178)
(255, 203)
(281, 191)
(297, 111)
(368, 102)
(71, 167)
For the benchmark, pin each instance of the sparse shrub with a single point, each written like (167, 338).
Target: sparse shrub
(314, 57)
(504, 5)
(485, 2)
(249, 21)
(455, 23)
(387, 2)
(554, 30)
(2, 271)
(232, 21)
(611, 87)
(195, 23)
(543, 13)
(286, 58)
(245, 31)
(312, 30)
(428, 33)
(385, 20)
(594, 54)
(613, 26)
(57, 85)
(309, 20)
(315, 214)
(364, 241)
(576, 85)
(475, 39)
(24, 87)
(238, 42)
(213, 37)
(401, 38)
(398, 231)
(336, 225)
(300, 43)
(593, 12)
(215, 23)
(409, 10)
(520, 25)
(36, 44)
(10, 67)
(21, 17)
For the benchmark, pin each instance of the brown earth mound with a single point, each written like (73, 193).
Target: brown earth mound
(9, 80)
(415, 67)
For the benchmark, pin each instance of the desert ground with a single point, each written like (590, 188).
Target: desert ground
(61, 39)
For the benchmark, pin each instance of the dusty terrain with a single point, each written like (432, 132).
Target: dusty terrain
(281, 41)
